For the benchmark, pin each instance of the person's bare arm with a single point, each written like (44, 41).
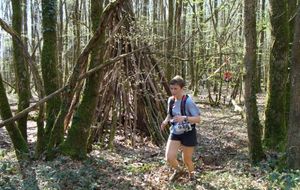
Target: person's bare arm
(165, 122)
(190, 119)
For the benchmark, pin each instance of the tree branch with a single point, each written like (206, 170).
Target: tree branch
(37, 78)
(81, 77)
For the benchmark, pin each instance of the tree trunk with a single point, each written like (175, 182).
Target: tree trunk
(76, 24)
(155, 18)
(253, 123)
(145, 10)
(19, 143)
(169, 67)
(192, 46)
(261, 47)
(76, 142)
(66, 34)
(275, 124)
(49, 62)
(293, 144)
(183, 34)
(60, 46)
(162, 29)
(215, 22)
(292, 8)
(16, 137)
(178, 64)
(21, 69)
(201, 28)
(25, 22)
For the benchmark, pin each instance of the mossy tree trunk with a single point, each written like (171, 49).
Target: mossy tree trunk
(292, 8)
(16, 137)
(293, 144)
(253, 123)
(275, 124)
(77, 140)
(21, 70)
(20, 146)
(49, 62)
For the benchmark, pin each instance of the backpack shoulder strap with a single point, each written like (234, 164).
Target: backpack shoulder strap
(183, 103)
(171, 104)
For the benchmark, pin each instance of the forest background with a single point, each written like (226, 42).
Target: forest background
(79, 78)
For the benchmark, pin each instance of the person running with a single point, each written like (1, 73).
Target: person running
(183, 115)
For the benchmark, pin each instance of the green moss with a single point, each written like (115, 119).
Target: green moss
(77, 139)
(76, 143)
(21, 69)
(275, 124)
(49, 61)
(18, 141)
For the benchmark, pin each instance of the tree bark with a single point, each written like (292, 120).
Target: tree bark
(25, 22)
(77, 139)
(145, 9)
(60, 46)
(155, 18)
(67, 64)
(21, 69)
(252, 119)
(200, 28)
(293, 144)
(169, 67)
(292, 8)
(38, 86)
(261, 47)
(179, 65)
(275, 124)
(192, 47)
(77, 32)
(15, 135)
(49, 62)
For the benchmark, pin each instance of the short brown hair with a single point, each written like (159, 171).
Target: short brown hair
(177, 80)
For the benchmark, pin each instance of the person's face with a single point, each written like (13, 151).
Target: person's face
(176, 90)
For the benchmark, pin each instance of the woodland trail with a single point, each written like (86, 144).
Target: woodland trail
(221, 161)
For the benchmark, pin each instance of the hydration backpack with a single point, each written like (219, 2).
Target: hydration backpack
(182, 108)
(182, 105)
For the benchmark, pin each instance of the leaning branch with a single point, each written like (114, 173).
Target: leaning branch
(28, 58)
(10, 85)
(83, 76)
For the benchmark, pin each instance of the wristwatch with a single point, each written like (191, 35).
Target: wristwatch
(186, 118)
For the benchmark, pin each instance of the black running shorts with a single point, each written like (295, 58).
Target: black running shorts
(187, 139)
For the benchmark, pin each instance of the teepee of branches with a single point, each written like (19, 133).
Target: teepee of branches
(132, 96)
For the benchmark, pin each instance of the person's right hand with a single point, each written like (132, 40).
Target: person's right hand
(163, 125)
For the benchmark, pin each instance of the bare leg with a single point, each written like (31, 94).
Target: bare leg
(187, 154)
(171, 153)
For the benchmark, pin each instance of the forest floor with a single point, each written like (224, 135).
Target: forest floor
(221, 161)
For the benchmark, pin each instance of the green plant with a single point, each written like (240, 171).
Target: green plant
(289, 179)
